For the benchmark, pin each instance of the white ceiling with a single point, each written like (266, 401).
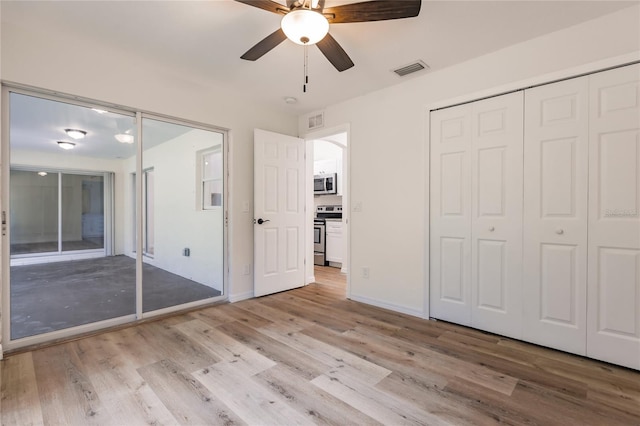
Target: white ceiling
(208, 38)
(37, 124)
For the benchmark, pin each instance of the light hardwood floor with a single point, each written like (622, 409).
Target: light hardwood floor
(309, 356)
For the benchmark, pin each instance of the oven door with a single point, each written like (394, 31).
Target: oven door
(318, 238)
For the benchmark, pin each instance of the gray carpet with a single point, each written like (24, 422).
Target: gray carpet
(55, 296)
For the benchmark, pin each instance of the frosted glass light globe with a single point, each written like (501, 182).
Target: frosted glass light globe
(304, 26)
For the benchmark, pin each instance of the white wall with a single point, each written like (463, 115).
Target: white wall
(388, 144)
(178, 223)
(113, 75)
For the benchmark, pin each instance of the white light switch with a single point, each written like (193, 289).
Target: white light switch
(245, 207)
(358, 207)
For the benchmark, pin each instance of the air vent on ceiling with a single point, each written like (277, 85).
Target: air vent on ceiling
(316, 120)
(411, 68)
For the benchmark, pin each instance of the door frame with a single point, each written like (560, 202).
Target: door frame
(309, 137)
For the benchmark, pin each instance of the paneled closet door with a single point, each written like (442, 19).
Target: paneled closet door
(450, 258)
(496, 225)
(614, 217)
(555, 215)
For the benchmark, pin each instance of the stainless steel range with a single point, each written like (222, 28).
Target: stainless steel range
(319, 232)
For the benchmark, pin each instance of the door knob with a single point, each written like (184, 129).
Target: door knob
(261, 221)
(559, 231)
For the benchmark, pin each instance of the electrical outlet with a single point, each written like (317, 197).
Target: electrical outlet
(365, 272)
(246, 269)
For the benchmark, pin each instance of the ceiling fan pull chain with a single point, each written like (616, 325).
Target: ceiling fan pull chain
(306, 69)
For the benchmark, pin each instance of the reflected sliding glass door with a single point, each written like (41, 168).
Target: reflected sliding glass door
(183, 214)
(112, 216)
(54, 212)
(66, 267)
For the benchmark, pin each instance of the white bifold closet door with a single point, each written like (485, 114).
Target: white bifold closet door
(613, 328)
(476, 214)
(496, 214)
(555, 215)
(450, 251)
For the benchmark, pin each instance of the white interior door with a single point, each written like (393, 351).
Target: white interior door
(450, 222)
(496, 214)
(555, 215)
(279, 229)
(613, 331)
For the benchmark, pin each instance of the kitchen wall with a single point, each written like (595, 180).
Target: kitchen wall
(392, 241)
(324, 152)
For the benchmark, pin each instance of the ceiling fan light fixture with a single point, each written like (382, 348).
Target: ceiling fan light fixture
(304, 26)
(66, 145)
(75, 133)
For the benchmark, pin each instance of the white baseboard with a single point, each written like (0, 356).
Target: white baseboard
(310, 279)
(233, 298)
(392, 307)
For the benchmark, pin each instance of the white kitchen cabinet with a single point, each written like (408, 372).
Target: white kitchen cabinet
(334, 241)
(541, 240)
(321, 167)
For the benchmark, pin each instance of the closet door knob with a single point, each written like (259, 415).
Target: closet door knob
(492, 228)
(559, 231)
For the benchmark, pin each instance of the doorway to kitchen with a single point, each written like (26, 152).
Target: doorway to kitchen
(328, 201)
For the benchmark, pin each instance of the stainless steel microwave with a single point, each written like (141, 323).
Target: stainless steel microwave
(325, 184)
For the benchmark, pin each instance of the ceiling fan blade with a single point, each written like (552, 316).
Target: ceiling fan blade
(268, 5)
(334, 53)
(375, 10)
(268, 43)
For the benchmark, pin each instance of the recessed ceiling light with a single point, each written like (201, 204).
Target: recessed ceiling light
(99, 111)
(66, 145)
(290, 100)
(124, 138)
(75, 133)
(42, 174)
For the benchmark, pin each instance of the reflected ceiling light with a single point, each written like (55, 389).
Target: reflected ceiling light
(99, 111)
(124, 138)
(304, 26)
(75, 133)
(42, 174)
(66, 145)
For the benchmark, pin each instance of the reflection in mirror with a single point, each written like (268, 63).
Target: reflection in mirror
(183, 215)
(67, 230)
(33, 212)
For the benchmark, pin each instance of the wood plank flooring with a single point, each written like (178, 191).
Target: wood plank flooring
(310, 356)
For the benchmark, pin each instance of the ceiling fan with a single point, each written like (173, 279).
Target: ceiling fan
(307, 22)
